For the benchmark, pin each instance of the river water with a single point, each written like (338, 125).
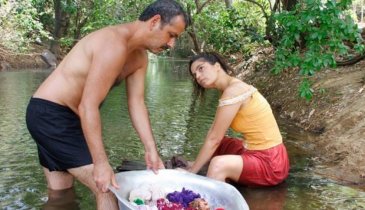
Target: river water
(179, 128)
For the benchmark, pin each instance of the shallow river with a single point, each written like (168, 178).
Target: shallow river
(179, 128)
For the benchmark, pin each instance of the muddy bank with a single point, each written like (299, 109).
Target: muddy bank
(336, 113)
(11, 61)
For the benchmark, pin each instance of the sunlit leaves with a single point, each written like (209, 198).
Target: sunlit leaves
(314, 33)
(20, 25)
(230, 30)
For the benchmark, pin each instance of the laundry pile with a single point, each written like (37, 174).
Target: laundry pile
(154, 197)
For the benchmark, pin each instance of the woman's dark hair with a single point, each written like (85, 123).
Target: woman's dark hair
(167, 9)
(212, 58)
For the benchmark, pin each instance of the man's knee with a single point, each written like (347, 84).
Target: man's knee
(84, 175)
(101, 195)
(58, 180)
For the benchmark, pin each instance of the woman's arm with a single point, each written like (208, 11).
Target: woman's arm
(223, 118)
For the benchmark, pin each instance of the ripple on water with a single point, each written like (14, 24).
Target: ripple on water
(178, 127)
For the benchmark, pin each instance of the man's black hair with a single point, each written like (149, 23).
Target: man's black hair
(167, 9)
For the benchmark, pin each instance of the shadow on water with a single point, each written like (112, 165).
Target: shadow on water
(62, 200)
(272, 198)
(179, 128)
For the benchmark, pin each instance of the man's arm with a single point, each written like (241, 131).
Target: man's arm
(139, 116)
(106, 64)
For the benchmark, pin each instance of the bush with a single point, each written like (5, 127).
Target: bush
(312, 35)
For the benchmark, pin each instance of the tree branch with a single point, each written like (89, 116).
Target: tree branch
(270, 5)
(200, 8)
(276, 6)
(262, 9)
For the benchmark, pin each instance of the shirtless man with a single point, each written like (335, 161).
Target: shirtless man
(63, 115)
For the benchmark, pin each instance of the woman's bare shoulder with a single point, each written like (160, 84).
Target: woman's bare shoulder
(236, 88)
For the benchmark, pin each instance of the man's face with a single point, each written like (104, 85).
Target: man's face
(165, 36)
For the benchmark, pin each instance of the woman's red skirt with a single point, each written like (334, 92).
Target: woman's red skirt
(260, 167)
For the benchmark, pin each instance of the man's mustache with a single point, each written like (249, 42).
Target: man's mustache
(165, 47)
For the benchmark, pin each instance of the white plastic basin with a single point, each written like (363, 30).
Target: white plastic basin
(218, 194)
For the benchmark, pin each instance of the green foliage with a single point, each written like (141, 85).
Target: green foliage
(87, 16)
(45, 13)
(66, 42)
(237, 29)
(305, 90)
(102, 14)
(230, 30)
(313, 34)
(110, 12)
(20, 25)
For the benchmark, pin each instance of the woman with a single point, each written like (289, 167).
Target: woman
(260, 159)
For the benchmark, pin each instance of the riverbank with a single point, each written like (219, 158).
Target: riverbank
(336, 113)
(10, 60)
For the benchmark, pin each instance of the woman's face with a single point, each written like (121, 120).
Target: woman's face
(204, 73)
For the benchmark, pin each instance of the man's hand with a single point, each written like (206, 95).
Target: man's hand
(104, 176)
(153, 161)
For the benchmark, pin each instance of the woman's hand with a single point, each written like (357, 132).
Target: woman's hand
(187, 168)
(190, 167)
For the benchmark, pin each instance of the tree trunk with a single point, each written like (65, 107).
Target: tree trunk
(195, 41)
(79, 25)
(81, 19)
(289, 5)
(271, 34)
(228, 3)
(191, 32)
(60, 27)
(351, 61)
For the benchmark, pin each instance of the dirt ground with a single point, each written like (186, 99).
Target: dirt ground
(336, 113)
(10, 60)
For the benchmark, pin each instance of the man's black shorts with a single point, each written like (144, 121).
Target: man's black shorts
(57, 131)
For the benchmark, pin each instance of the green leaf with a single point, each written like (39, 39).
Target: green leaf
(314, 33)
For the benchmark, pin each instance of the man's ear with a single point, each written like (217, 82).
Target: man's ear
(155, 20)
(217, 65)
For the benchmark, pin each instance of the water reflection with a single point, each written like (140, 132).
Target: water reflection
(61, 200)
(179, 128)
(272, 198)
